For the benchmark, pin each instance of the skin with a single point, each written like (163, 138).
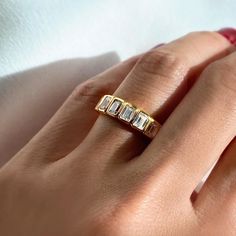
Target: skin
(30, 98)
(85, 174)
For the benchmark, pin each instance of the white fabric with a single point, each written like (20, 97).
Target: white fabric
(40, 31)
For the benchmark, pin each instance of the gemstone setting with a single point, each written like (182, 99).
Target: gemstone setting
(152, 129)
(127, 113)
(140, 121)
(114, 107)
(104, 103)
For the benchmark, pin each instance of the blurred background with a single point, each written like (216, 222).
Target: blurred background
(35, 32)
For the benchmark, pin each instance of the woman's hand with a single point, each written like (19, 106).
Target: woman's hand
(88, 175)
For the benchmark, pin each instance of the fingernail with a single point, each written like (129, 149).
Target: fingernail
(158, 45)
(229, 34)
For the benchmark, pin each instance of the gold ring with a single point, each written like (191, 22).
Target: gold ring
(129, 114)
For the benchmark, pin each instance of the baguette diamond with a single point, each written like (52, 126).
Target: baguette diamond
(140, 121)
(103, 105)
(152, 129)
(127, 113)
(114, 108)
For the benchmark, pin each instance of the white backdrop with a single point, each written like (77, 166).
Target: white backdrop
(34, 32)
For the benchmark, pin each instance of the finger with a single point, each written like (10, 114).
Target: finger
(157, 83)
(70, 124)
(30, 98)
(199, 129)
(221, 182)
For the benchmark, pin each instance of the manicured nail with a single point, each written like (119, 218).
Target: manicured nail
(229, 34)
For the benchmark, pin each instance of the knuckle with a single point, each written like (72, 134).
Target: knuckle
(222, 74)
(162, 62)
(214, 37)
(195, 34)
(200, 33)
(90, 91)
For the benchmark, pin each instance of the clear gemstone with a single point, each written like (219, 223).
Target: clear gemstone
(104, 103)
(152, 130)
(114, 107)
(140, 121)
(127, 113)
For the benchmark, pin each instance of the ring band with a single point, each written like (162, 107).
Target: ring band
(129, 114)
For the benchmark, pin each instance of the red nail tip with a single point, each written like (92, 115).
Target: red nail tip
(230, 34)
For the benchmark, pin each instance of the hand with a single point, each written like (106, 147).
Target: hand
(88, 175)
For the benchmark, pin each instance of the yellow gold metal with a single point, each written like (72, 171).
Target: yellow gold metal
(129, 114)
(100, 109)
(115, 99)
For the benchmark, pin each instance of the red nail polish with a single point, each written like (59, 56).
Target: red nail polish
(230, 34)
